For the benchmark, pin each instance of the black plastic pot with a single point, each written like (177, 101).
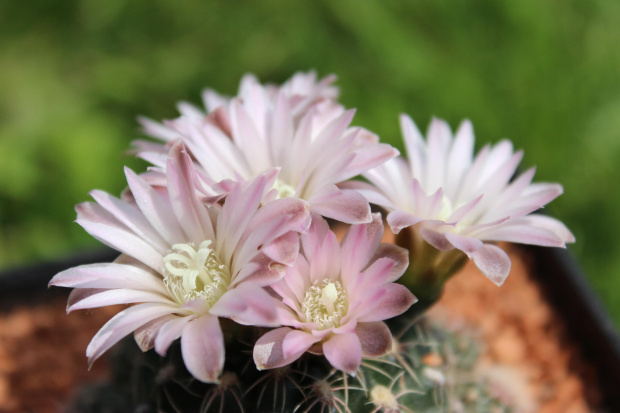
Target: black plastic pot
(558, 274)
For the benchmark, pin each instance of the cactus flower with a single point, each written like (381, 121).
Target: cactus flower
(335, 298)
(184, 263)
(264, 128)
(456, 201)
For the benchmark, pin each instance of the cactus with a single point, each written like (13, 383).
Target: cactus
(227, 235)
(429, 369)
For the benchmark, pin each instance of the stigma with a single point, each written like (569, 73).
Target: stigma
(325, 303)
(191, 273)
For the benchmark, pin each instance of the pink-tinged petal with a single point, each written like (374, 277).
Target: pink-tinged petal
(375, 338)
(250, 258)
(213, 100)
(414, 142)
(419, 198)
(83, 298)
(550, 224)
(466, 244)
(398, 255)
(375, 275)
(439, 138)
(247, 304)
(434, 203)
(344, 352)
(124, 241)
(268, 350)
(532, 229)
(282, 128)
(296, 342)
(297, 211)
(283, 249)
(108, 276)
(261, 271)
(169, 332)
(502, 175)
(330, 134)
(155, 208)
(460, 157)
(513, 191)
(240, 206)
(191, 215)
(202, 346)
(359, 244)
(145, 335)
(220, 119)
(122, 324)
(313, 238)
(157, 130)
(342, 205)
(367, 158)
(396, 300)
(463, 210)
(298, 277)
(246, 135)
(131, 217)
(397, 220)
(326, 260)
(493, 263)
(436, 239)
(370, 192)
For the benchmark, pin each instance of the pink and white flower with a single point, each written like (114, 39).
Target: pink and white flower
(335, 297)
(458, 201)
(184, 263)
(263, 128)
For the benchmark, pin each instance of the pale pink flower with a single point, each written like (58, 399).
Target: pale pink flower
(301, 91)
(458, 201)
(185, 263)
(264, 128)
(335, 297)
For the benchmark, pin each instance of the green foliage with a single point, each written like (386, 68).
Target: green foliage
(74, 74)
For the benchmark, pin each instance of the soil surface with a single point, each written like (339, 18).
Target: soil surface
(528, 360)
(527, 357)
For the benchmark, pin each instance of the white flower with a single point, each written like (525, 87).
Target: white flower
(457, 201)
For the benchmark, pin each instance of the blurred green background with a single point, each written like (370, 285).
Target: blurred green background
(74, 75)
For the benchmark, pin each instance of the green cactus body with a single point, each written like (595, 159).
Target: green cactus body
(428, 369)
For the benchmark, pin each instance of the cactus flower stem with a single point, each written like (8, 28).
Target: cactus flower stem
(429, 268)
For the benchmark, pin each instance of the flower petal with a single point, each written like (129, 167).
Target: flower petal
(397, 220)
(145, 335)
(359, 244)
(375, 337)
(466, 244)
(202, 346)
(268, 350)
(108, 276)
(169, 332)
(493, 262)
(344, 352)
(297, 342)
(343, 205)
(122, 324)
(396, 300)
(247, 304)
(83, 298)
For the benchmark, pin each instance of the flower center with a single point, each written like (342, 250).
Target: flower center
(195, 274)
(446, 209)
(284, 190)
(325, 304)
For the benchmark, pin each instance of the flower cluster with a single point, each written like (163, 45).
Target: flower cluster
(229, 222)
